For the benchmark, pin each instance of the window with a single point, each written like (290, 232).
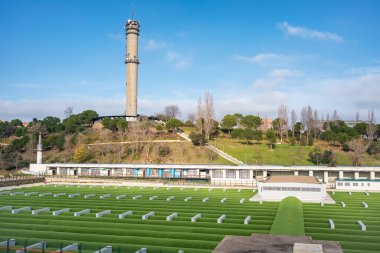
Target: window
(340, 184)
(244, 174)
(347, 184)
(230, 174)
(217, 174)
(355, 184)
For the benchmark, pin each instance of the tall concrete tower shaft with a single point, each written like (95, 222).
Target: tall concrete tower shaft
(132, 29)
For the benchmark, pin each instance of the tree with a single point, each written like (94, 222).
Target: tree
(159, 128)
(52, 124)
(316, 156)
(19, 144)
(371, 127)
(271, 138)
(82, 154)
(293, 121)
(251, 121)
(283, 120)
(359, 147)
(172, 111)
(68, 111)
(247, 135)
(208, 114)
(200, 115)
(87, 117)
(258, 136)
(110, 124)
(237, 133)
(229, 122)
(361, 128)
(173, 124)
(191, 119)
(197, 139)
(357, 117)
(9, 157)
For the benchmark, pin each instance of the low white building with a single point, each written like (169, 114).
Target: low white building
(358, 184)
(305, 188)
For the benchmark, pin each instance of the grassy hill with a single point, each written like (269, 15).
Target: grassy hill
(283, 153)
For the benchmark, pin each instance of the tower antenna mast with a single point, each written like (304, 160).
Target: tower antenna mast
(132, 10)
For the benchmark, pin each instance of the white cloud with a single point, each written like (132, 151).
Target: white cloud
(308, 33)
(285, 73)
(153, 44)
(178, 60)
(115, 36)
(276, 78)
(259, 58)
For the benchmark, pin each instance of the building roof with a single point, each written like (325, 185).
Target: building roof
(292, 179)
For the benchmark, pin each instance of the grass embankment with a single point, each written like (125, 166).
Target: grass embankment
(133, 233)
(289, 218)
(283, 154)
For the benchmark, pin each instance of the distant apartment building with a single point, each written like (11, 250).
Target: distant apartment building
(267, 124)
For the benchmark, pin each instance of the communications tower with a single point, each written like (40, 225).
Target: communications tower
(132, 29)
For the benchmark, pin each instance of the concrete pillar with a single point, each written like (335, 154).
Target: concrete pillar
(356, 175)
(250, 174)
(224, 174)
(296, 173)
(311, 173)
(341, 174)
(265, 174)
(79, 171)
(197, 172)
(372, 175)
(58, 171)
(326, 176)
(124, 172)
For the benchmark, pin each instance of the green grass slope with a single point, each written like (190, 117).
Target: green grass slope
(289, 218)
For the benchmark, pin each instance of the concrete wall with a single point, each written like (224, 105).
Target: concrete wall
(302, 195)
(358, 185)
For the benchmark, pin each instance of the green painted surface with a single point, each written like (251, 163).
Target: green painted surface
(289, 218)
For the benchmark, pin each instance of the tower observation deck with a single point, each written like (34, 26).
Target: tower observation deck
(132, 29)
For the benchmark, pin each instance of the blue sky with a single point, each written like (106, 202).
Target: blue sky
(251, 56)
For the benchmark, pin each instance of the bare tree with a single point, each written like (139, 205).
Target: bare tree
(359, 147)
(208, 114)
(310, 122)
(293, 121)
(328, 121)
(136, 135)
(304, 118)
(283, 120)
(191, 117)
(335, 117)
(172, 111)
(371, 126)
(200, 116)
(68, 111)
(315, 123)
(357, 117)
(307, 121)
